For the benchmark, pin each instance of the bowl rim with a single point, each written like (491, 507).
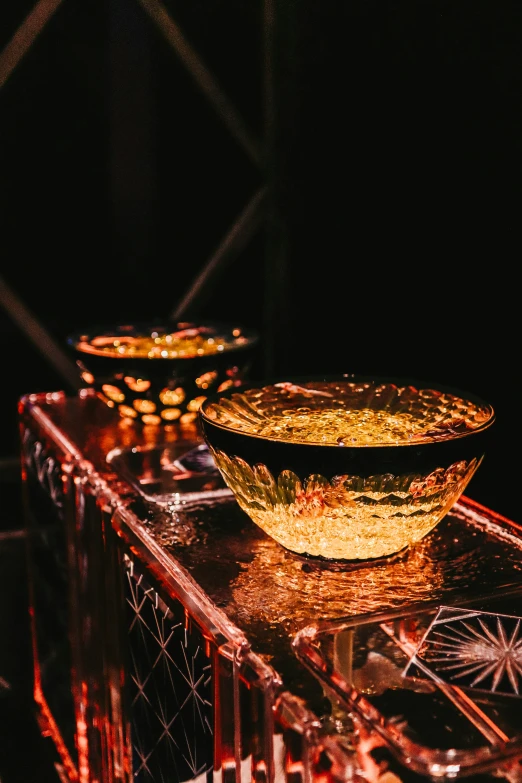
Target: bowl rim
(401, 381)
(74, 339)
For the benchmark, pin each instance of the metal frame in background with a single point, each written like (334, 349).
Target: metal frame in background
(250, 220)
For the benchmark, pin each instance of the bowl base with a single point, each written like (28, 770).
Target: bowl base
(319, 563)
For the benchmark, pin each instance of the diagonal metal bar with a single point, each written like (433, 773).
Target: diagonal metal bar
(25, 36)
(246, 225)
(43, 341)
(204, 79)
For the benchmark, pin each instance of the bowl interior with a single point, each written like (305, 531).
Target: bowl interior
(162, 341)
(348, 412)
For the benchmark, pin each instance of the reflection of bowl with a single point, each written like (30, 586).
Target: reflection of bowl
(346, 468)
(161, 373)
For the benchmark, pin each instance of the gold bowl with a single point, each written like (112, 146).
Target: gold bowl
(160, 373)
(346, 468)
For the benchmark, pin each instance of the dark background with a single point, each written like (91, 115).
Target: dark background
(393, 133)
(390, 136)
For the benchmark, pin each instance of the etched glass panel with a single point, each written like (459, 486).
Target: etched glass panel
(481, 651)
(170, 682)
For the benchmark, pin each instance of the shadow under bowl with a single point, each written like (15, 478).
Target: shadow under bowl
(346, 468)
(160, 373)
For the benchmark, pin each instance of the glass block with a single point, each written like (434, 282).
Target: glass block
(202, 586)
(162, 472)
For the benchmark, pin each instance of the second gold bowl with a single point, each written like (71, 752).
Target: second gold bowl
(159, 373)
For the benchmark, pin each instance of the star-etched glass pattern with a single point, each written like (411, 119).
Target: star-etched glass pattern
(475, 650)
(170, 681)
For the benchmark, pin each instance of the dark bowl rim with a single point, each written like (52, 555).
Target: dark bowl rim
(99, 329)
(351, 378)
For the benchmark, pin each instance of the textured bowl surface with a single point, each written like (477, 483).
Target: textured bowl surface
(161, 373)
(346, 468)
